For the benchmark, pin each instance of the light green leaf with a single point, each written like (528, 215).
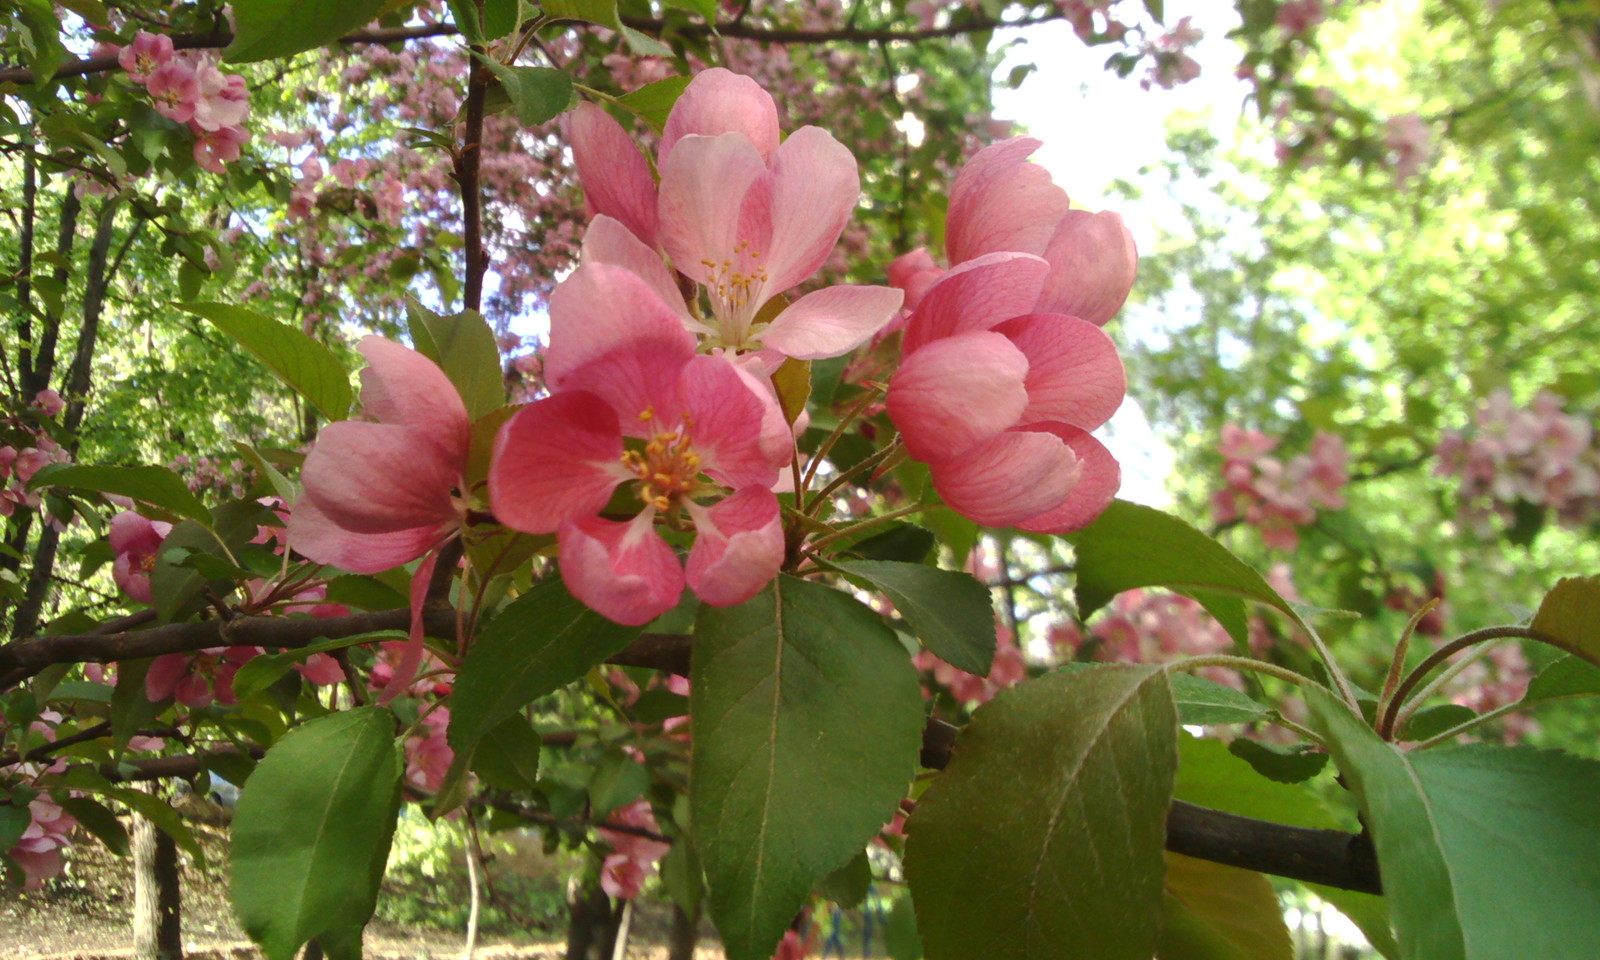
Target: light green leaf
(1570, 615)
(950, 612)
(464, 348)
(1205, 703)
(604, 12)
(282, 487)
(1215, 912)
(312, 833)
(1058, 785)
(542, 641)
(279, 28)
(537, 94)
(1567, 677)
(1487, 852)
(302, 363)
(1135, 546)
(706, 8)
(156, 486)
(807, 726)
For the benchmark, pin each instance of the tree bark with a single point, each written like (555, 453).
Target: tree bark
(157, 911)
(591, 922)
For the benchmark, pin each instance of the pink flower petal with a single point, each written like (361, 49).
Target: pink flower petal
(728, 415)
(610, 334)
(622, 571)
(380, 477)
(738, 547)
(1009, 478)
(615, 176)
(401, 386)
(1000, 201)
(608, 241)
(1096, 487)
(719, 101)
(622, 876)
(815, 188)
(558, 459)
(416, 639)
(957, 391)
(132, 533)
(703, 188)
(914, 272)
(314, 535)
(1093, 264)
(976, 295)
(161, 679)
(1074, 373)
(832, 321)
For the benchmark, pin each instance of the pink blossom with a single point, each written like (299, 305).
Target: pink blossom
(195, 680)
(621, 365)
(147, 53)
(135, 540)
(634, 858)
(379, 494)
(214, 149)
(427, 749)
(222, 99)
(38, 851)
(1009, 668)
(175, 90)
(48, 402)
(1410, 139)
(1298, 17)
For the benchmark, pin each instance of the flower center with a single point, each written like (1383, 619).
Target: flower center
(734, 285)
(668, 467)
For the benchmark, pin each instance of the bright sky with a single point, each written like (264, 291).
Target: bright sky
(1098, 128)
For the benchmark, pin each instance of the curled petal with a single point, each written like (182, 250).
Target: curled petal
(738, 547)
(401, 386)
(558, 459)
(131, 580)
(1096, 487)
(601, 309)
(1000, 201)
(379, 477)
(719, 101)
(622, 571)
(814, 190)
(976, 295)
(615, 176)
(1008, 478)
(132, 533)
(1074, 373)
(832, 321)
(1093, 264)
(957, 391)
(314, 535)
(732, 418)
(703, 188)
(608, 241)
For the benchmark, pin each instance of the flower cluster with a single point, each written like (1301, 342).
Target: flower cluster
(1004, 368)
(194, 92)
(1539, 455)
(1275, 496)
(38, 850)
(633, 857)
(1010, 668)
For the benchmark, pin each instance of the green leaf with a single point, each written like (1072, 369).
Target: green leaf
(604, 12)
(160, 813)
(156, 486)
(1570, 616)
(1157, 11)
(706, 8)
(464, 348)
(130, 708)
(282, 486)
(1487, 852)
(792, 383)
(901, 940)
(1135, 546)
(848, 885)
(950, 612)
(312, 831)
(1058, 785)
(903, 542)
(1283, 764)
(1435, 720)
(507, 758)
(654, 101)
(618, 781)
(1214, 912)
(807, 725)
(93, 816)
(537, 94)
(13, 821)
(1205, 703)
(542, 641)
(301, 362)
(278, 28)
(1567, 677)
(259, 673)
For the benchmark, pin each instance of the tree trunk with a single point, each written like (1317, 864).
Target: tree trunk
(157, 917)
(591, 921)
(684, 936)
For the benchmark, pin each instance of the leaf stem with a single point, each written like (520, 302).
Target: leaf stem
(1388, 719)
(844, 424)
(1463, 727)
(1397, 663)
(868, 524)
(855, 471)
(1242, 664)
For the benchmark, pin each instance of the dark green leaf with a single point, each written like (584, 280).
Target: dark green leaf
(902, 542)
(1203, 702)
(278, 28)
(259, 673)
(807, 726)
(1432, 721)
(847, 886)
(312, 831)
(95, 818)
(1058, 785)
(1567, 677)
(951, 613)
(537, 94)
(160, 813)
(157, 486)
(618, 781)
(13, 821)
(1283, 764)
(302, 363)
(507, 758)
(130, 708)
(542, 641)
(1487, 852)
(604, 12)
(706, 8)
(1135, 546)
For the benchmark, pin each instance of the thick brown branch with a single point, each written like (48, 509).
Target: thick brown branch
(1331, 857)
